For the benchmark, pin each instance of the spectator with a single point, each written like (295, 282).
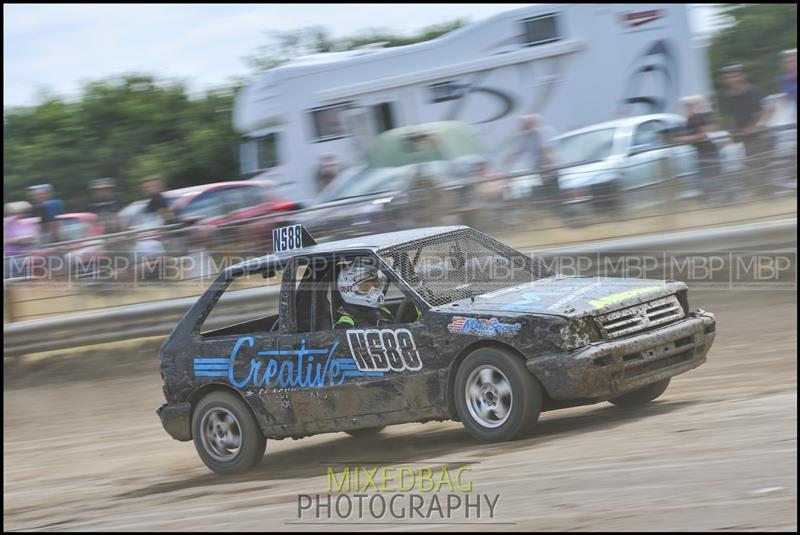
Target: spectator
(327, 171)
(106, 203)
(787, 81)
(19, 234)
(699, 124)
(745, 119)
(34, 199)
(784, 122)
(47, 209)
(153, 186)
(486, 184)
(533, 145)
(540, 157)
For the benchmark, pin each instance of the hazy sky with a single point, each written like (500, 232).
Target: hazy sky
(57, 47)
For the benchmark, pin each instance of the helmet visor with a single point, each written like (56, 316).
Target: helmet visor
(367, 285)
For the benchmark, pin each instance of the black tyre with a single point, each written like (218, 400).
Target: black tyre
(641, 396)
(226, 434)
(369, 432)
(496, 397)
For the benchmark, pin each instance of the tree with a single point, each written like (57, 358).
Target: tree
(753, 37)
(124, 127)
(283, 46)
(134, 125)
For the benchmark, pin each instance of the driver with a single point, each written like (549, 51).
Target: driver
(362, 290)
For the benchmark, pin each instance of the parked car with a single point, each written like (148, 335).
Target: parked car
(72, 227)
(626, 163)
(412, 177)
(381, 198)
(218, 213)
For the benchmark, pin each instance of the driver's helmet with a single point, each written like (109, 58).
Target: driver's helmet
(362, 285)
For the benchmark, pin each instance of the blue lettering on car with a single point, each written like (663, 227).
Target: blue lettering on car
(305, 368)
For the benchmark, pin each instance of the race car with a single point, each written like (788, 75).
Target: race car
(463, 328)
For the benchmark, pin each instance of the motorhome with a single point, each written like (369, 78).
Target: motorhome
(574, 65)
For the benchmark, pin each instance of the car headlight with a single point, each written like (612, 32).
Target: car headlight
(579, 332)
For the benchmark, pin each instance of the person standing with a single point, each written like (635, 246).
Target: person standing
(783, 122)
(539, 157)
(105, 203)
(327, 171)
(745, 119)
(47, 209)
(699, 124)
(153, 186)
(787, 81)
(19, 235)
(533, 145)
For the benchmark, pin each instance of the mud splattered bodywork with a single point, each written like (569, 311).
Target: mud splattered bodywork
(584, 339)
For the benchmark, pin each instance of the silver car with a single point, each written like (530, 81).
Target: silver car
(625, 163)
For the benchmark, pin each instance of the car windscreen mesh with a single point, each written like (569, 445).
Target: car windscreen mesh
(460, 265)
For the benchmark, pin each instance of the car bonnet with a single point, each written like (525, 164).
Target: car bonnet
(566, 296)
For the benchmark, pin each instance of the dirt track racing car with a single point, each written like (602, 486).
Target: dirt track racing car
(480, 333)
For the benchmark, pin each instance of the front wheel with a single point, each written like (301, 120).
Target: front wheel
(642, 395)
(226, 434)
(496, 397)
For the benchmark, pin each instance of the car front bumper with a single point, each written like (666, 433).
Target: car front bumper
(177, 420)
(609, 368)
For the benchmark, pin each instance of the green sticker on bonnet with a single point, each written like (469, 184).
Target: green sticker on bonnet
(616, 298)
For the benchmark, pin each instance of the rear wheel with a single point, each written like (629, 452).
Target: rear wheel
(226, 434)
(641, 396)
(496, 397)
(608, 200)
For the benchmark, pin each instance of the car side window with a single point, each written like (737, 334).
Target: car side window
(311, 306)
(319, 302)
(241, 197)
(250, 196)
(227, 318)
(255, 195)
(232, 200)
(648, 135)
(206, 205)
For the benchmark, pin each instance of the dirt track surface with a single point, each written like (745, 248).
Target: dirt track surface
(84, 450)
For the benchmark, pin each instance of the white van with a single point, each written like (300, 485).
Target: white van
(574, 65)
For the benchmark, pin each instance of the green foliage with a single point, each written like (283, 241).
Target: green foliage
(135, 125)
(283, 46)
(124, 128)
(755, 35)
(388, 39)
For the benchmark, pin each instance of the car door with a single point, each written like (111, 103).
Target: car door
(366, 376)
(234, 347)
(256, 215)
(647, 163)
(237, 204)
